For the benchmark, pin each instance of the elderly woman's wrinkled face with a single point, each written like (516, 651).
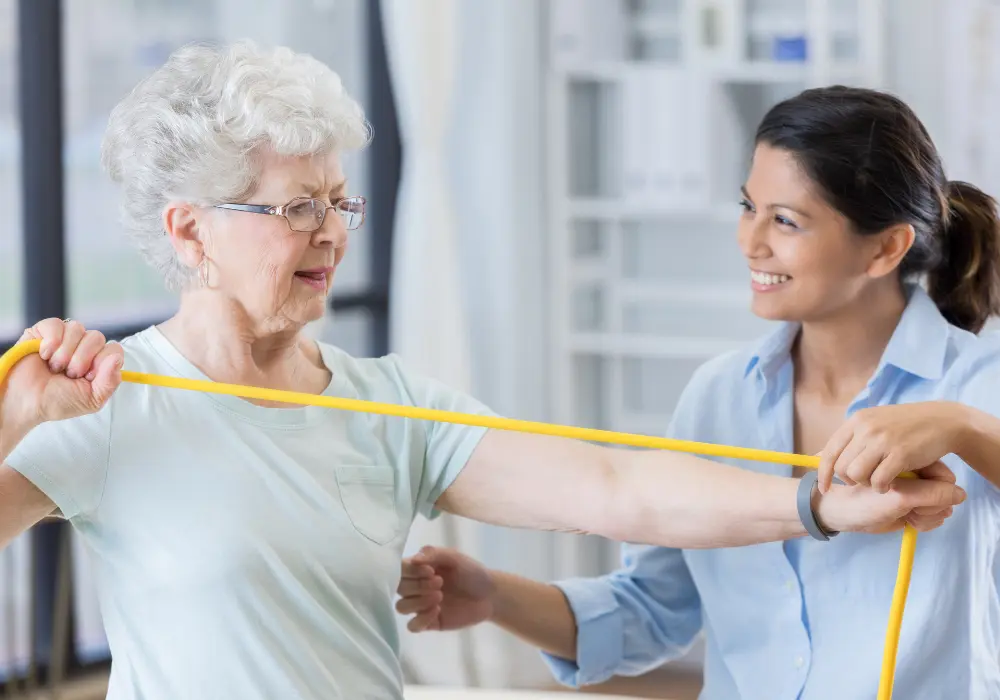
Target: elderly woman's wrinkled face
(278, 276)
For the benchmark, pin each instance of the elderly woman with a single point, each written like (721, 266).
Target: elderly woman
(247, 550)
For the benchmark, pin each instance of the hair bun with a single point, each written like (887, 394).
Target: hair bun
(966, 285)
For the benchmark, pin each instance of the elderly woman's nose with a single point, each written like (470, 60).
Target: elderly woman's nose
(332, 233)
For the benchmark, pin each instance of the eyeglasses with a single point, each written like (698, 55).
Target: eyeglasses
(306, 214)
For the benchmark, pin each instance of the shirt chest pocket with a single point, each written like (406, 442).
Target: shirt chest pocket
(368, 495)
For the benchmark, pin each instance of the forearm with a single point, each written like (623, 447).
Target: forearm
(978, 444)
(12, 431)
(660, 497)
(22, 504)
(677, 500)
(537, 613)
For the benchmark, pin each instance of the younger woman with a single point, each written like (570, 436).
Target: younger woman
(846, 208)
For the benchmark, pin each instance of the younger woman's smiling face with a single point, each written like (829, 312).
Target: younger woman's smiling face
(806, 263)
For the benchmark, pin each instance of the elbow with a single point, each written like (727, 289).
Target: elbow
(622, 515)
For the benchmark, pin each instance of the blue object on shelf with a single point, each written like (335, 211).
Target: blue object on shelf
(790, 48)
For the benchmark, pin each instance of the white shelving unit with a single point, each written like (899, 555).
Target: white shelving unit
(652, 108)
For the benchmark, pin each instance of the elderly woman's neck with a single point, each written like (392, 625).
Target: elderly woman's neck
(225, 344)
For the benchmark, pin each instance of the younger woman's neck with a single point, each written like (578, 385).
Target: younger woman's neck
(838, 355)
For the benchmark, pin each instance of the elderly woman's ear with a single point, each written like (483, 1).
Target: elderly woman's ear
(182, 225)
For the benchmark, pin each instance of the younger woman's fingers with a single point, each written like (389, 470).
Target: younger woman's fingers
(934, 511)
(925, 523)
(416, 569)
(425, 621)
(418, 604)
(417, 586)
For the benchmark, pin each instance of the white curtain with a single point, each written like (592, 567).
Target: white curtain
(427, 325)
(90, 639)
(468, 77)
(17, 602)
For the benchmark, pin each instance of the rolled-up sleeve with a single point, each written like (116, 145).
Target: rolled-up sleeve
(630, 621)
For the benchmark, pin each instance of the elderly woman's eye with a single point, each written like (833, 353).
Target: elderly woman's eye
(304, 208)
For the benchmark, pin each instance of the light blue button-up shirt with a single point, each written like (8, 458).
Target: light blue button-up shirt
(806, 620)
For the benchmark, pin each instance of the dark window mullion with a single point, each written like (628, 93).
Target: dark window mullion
(385, 158)
(39, 41)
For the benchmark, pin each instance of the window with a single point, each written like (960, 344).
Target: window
(80, 263)
(111, 44)
(107, 46)
(10, 177)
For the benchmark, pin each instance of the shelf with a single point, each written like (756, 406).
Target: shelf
(588, 271)
(653, 347)
(650, 134)
(759, 72)
(715, 296)
(709, 297)
(611, 209)
(657, 27)
(777, 72)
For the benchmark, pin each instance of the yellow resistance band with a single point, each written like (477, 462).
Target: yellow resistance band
(21, 350)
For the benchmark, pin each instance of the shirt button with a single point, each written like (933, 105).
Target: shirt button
(790, 585)
(799, 662)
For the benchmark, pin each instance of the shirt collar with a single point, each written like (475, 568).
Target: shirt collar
(918, 345)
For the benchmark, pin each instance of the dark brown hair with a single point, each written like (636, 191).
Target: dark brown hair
(873, 161)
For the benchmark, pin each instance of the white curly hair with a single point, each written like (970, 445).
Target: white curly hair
(191, 129)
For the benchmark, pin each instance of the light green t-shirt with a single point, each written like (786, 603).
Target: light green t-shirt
(243, 551)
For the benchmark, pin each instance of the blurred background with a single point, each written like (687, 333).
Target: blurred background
(553, 189)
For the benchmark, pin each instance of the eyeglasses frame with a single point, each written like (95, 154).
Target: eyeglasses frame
(281, 210)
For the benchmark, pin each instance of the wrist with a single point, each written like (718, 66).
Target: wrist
(495, 599)
(11, 435)
(13, 427)
(828, 510)
(963, 427)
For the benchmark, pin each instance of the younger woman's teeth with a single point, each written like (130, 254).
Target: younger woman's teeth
(767, 278)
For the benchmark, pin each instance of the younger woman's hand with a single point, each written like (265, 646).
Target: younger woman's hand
(875, 445)
(444, 590)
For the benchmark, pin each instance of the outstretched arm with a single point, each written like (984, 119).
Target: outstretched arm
(659, 497)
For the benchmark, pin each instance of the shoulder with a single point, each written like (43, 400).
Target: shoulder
(369, 376)
(389, 378)
(719, 378)
(144, 352)
(974, 370)
(964, 348)
(714, 393)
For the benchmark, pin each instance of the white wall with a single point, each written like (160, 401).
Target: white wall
(498, 177)
(915, 60)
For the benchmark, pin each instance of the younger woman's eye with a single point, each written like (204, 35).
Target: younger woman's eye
(745, 205)
(784, 221)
